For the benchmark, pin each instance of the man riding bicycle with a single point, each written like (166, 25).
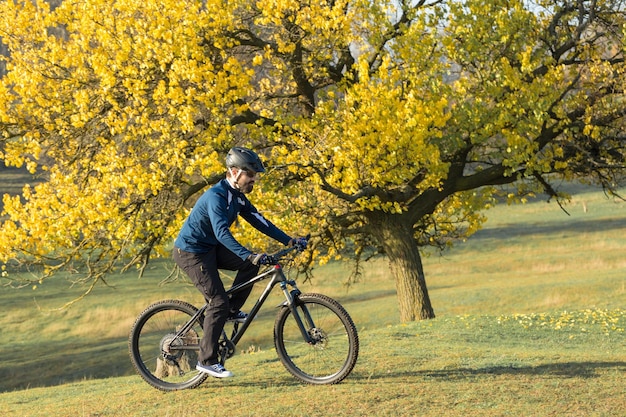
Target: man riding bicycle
(205, 244)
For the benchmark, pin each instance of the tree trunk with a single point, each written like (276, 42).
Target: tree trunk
(406, 266)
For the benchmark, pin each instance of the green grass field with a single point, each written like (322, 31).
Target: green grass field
(531, 313)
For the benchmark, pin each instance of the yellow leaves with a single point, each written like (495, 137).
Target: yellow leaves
(24, 150)
(5, 97)
(257, 60)
(62, 215)
(24, 21)
(380, 134)
(582, 321)
(375, 204)
(135, 105)
(592, 131)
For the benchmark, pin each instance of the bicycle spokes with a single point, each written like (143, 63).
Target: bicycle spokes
(328, 352)
(164, 358)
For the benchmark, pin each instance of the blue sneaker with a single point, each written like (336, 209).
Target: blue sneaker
(238, 316)
(217, 370)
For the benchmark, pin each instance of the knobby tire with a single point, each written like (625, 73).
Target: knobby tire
(152, 335)
(333, 353)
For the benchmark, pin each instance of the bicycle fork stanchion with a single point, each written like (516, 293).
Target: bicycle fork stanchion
(292, 297)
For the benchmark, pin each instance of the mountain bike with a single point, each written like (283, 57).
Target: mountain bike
(315, 338)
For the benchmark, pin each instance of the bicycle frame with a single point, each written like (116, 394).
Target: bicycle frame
(289, 289)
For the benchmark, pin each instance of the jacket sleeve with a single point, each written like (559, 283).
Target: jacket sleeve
(252, 216)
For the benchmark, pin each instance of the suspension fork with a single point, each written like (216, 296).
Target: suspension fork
(292, 302)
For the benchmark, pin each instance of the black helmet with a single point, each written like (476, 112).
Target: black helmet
(245, 159)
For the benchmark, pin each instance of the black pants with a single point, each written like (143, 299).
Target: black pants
(202, 268)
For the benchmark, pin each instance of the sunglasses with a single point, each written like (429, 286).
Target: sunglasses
(249, 173)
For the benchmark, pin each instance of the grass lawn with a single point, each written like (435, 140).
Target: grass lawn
(530, 322)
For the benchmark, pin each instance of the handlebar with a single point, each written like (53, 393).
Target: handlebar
(281, 253)
(278, 256)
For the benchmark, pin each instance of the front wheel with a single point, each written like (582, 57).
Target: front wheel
(163, 359)
(333, 347)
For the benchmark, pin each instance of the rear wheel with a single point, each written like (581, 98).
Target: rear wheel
(333, 349)
(163, 360)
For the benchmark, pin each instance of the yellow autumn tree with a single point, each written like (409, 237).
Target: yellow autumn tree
(387, 125)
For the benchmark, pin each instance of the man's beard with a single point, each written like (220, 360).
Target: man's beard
(247, 188)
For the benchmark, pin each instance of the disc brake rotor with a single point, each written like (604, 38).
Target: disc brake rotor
(318, 338)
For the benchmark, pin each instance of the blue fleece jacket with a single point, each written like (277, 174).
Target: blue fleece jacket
(210, 219)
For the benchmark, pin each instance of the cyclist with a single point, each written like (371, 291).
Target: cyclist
(205, 244)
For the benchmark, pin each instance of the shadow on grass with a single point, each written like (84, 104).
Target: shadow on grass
(57, 363)
(559, 370)
(548, 228)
